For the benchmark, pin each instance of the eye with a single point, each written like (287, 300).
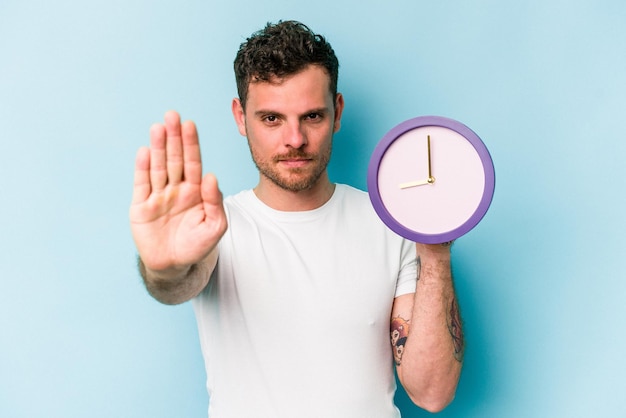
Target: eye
(270, 119)
(313, 116)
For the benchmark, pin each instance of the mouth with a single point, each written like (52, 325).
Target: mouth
(294, 162)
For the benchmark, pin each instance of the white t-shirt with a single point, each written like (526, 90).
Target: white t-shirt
(295, 319)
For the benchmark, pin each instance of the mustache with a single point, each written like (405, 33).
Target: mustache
(294, 154)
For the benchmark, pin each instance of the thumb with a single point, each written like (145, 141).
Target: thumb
(210, 191)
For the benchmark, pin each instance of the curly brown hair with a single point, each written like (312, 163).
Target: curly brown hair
(280, 50)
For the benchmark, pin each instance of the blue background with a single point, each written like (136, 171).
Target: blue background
(540, 280)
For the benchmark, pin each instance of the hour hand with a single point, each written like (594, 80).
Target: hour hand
(409, 184)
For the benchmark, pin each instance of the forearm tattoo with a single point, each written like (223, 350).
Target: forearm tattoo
(399, 334)
(456, 331)
(400, 329)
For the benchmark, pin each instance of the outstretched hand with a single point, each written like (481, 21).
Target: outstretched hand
(176, 215)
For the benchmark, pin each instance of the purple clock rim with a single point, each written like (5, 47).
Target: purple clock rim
(402, 128)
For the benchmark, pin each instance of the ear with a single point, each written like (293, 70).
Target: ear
(239, 115)
(338, 111)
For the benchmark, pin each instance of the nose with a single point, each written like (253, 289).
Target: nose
(294, 135)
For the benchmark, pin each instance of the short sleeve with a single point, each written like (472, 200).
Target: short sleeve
(407, 276)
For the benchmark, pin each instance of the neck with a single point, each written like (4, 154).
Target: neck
(290, 201)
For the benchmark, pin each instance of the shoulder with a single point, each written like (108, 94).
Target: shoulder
(241, 198)
(354, 201)
(355, 209)
(242, 201)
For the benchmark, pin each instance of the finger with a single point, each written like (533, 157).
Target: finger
(158, 171)
(191, 151)
(173, 148)
(141, 187)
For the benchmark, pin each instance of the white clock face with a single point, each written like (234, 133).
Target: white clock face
(457, 179)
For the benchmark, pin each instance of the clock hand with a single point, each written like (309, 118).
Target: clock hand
(431, 179)
(409, 184)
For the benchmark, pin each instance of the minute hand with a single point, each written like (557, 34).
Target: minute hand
(431, 179)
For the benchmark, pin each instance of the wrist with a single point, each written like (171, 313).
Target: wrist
(434, 250)
(165, 274)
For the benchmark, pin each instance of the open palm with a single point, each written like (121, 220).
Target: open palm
(176, 215)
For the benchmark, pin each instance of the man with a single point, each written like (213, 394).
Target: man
(294, 284)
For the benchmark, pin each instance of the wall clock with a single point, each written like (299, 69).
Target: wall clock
(431, 179)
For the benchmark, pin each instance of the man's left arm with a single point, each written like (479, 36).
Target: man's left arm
(426, 332)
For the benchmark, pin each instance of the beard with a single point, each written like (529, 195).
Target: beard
(294, 179)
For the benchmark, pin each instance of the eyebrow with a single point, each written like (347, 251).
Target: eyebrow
(263, 112)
